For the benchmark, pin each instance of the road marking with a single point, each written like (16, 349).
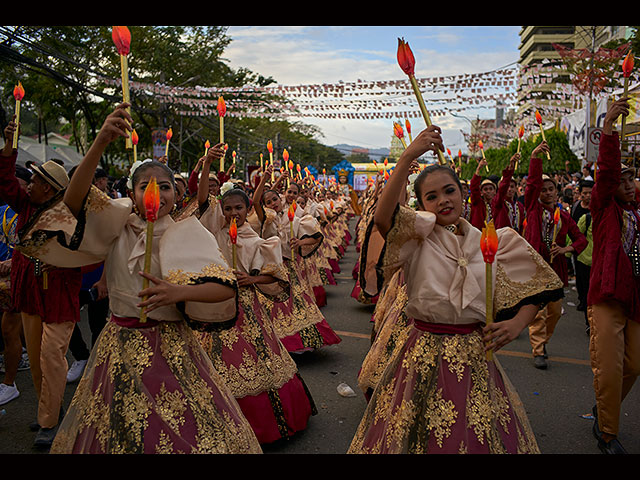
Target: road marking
(508, 353)
(353, 334)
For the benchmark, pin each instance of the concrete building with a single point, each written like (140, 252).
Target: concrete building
(536, 50)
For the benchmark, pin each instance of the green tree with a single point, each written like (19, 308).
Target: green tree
(69, 73)
(498, 158)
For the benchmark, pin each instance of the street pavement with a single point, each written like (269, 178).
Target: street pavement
(558, 400)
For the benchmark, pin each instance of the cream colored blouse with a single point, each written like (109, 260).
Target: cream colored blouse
(106, 230)
(445, 272)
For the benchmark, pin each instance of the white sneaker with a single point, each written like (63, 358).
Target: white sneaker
(8, 393)
(75, 372)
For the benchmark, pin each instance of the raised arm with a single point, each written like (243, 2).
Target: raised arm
(507, 175)
(474, 184)
(257, 194)
(116, 125)
(10, 190)
(214, 153)
(534, 178)
(428, 139)
(608, 167)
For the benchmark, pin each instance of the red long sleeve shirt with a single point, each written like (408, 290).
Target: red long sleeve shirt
(611, 273)
(503, 209)
(478, 205)
(535, 234)
(60, 302)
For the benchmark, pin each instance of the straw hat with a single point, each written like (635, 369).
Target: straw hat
(487, 181)
(53, 173)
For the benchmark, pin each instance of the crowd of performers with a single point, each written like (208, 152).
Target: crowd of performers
(198, 353)
(200, 361)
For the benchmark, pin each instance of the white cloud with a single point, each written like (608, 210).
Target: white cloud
(299, 55)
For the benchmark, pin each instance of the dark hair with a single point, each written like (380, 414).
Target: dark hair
(417, 185)
(23, 173)
(152, 164)
(585, 183)
(265, 193)
(297, 186)
(236, 192)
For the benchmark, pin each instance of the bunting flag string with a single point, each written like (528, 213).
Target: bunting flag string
(382, 99)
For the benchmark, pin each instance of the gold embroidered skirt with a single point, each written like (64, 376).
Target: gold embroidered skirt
(152, 390)
(439, 394)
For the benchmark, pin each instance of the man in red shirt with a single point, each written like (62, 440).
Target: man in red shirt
(613, 301)
(507, 210)
(482, 193)
(550, 241)
(46, 297)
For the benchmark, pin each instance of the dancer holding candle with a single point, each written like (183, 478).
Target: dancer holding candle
(438, 380)
(549, 239)
(250, 356)
(181, 403)
(614, 289)
(298, 321)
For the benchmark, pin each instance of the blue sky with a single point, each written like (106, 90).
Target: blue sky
(298, 55)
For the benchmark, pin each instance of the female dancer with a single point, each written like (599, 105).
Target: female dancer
(440, 393)
(148, 387)
(298, 321)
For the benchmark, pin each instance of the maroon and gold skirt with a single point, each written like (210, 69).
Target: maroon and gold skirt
(440, 394)
(151, 388)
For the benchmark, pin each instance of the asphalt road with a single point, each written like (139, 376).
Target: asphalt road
(558, 400)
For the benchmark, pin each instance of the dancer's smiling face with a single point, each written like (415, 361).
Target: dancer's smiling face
(440, 193)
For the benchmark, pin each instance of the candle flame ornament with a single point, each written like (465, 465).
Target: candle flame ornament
(489, 248)
(121, 37)
(270, 149)
(627, 67)
(222, 111)
(151, 200)
(169, 136)
(627, 64)
(520, 135)
(481, 145)
(407, 63)
(397, 130)
(556, 227)
(407, 125)
(18, 94)
(291, 213)
(233, 236)
(207, 146)
(134, 142)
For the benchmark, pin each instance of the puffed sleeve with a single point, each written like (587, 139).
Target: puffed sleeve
(55, 236)
(189, 255)
(267, 260)
(269, 227)
(370, 249)
(522, 277)
(211, 216)
(308, 227)
(408, 229)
